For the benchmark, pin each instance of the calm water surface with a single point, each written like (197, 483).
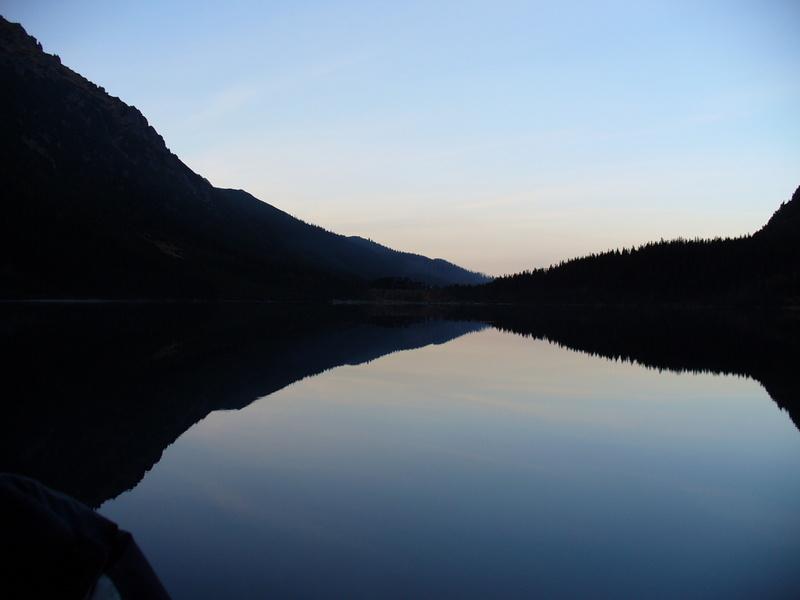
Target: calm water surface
(492, 465)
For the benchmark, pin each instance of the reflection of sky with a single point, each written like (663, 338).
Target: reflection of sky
(502, 135)
(490, 465)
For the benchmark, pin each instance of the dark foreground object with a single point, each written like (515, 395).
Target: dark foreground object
(55, 547)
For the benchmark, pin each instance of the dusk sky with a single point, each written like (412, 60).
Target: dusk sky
(499, 135)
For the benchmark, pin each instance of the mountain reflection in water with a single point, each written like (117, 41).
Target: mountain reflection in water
(94, 394)
(491, 465)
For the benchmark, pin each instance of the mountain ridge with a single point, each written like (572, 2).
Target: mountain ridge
(98, 206)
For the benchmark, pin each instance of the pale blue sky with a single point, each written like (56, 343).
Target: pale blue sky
(500, 135)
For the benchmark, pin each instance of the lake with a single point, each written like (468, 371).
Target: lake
(433, 455)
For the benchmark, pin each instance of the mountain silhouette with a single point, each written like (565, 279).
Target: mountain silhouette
(758, 269)
(96, 206)
(784, 225)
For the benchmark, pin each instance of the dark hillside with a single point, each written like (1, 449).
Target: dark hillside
(759, 269)
(435, 271)
(785, 221)
(97, 206)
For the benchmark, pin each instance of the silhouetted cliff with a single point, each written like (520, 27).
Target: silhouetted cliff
(785, 222)
(95, 205)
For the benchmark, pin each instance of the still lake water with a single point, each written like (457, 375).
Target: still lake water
(485, 464)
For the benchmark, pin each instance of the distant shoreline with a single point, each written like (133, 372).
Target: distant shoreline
(397, 302)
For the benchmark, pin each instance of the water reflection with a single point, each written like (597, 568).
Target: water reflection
(95, 393)
(491, 465)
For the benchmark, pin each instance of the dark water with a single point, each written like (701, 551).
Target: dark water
(425, 455)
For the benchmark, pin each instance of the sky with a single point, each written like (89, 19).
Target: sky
(500, 135)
